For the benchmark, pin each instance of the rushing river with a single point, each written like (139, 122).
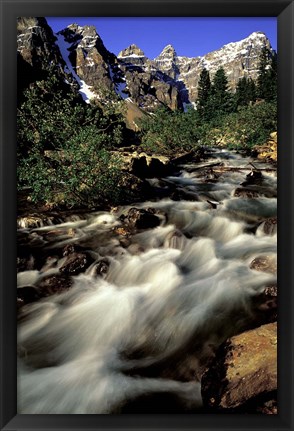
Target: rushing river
(145, 327)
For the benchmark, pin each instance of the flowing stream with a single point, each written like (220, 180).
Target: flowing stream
(141, 332)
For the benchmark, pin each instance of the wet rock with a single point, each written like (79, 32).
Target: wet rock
(47, 286)
(243, 372)
(27, 294)
(271, 291)
(121, 231)
(101, 268)
(133, 188)
(141, 218)
(254, 177)
(76, 263)
(54, 284)
(70, 249)
(269, 226)
(25, 263)
(264, 263)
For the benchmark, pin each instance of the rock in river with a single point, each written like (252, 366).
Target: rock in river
(141, 218)
(244, 373)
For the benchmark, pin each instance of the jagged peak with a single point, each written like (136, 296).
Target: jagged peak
(168, 51)
(256, 39)
(76, 29)
(131, 51)
(257, 36)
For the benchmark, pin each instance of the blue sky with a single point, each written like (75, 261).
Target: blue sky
(190, 37)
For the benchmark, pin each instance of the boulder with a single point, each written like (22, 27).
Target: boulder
(269, 226)
(101, 268)
(254, 177)
(54, 284)
(76, 263)
(141, 218)
(243, 374)
(264, 263)
(144, 166)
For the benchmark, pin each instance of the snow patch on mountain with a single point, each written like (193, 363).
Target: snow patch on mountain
(120, 87)
(85, 90)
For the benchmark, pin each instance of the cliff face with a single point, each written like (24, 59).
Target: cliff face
(38, 53)
(83, 62)
(238, 59)
(36, 42)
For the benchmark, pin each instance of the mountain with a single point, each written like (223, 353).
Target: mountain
(86, 66)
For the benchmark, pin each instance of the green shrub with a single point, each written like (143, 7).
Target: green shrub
(166, 132)
(64, 148)
(249, 126)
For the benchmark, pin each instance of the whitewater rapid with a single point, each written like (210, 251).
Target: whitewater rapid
(170, 297)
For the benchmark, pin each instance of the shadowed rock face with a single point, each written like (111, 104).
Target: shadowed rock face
(246, 366)
(88, 55)
(170, 80)
(132, 51)
(36, 51)
(36, 42)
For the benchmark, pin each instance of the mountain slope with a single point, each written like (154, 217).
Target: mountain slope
(85, 64)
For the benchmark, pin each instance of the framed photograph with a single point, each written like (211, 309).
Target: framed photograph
(146, 218)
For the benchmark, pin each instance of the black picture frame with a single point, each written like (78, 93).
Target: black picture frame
(284, 11)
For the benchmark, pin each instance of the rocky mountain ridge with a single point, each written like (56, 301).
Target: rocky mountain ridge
(84, 63)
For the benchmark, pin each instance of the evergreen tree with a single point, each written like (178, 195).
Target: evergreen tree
(273, 79)
(251, 90)
(221, 99)
(267, 76)
(245, 92)
(204, 89)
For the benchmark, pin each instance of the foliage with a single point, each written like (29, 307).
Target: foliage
(204, 91)
(214, 99)
(249, 126)
(221, 99)
(64, 147)
(165, 132)
(245, 92)
(267, 76)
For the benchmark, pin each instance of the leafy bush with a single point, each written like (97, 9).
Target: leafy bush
(64, 148)
(166, 132)
(247, 127)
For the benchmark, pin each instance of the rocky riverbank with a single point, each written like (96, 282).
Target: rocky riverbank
(190, 278)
